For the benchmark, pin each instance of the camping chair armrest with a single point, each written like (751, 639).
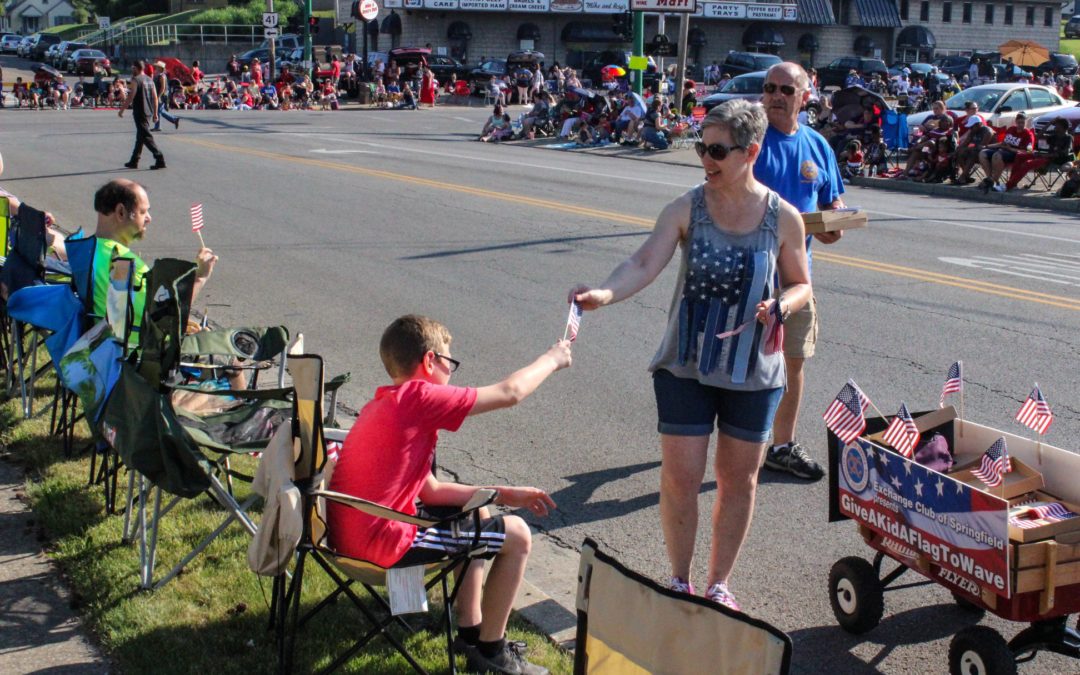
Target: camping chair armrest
(482, 498)
(336, 435)
(254, 365)
(337, 382)
(271, 394)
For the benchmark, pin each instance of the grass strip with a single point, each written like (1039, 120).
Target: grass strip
(214, 616)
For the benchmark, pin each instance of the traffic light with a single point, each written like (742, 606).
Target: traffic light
(622, 24)
(313, 23)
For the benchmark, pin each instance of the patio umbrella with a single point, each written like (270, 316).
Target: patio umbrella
(613, 71)
(1024, 52)
(48, 70)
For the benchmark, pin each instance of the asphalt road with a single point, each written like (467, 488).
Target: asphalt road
(335, 223)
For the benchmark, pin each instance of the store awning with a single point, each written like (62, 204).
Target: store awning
(762, 35)
(864, 44)
(391, 25)
(808, 42)
(916, 37)
(815, 13)
(459, 30)
(580, 31)
(528, 31)
(878, 13)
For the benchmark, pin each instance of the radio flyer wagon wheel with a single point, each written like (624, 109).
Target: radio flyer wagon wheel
(979, 650)
(856, 595)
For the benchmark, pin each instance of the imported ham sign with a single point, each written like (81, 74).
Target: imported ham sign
(666, 6)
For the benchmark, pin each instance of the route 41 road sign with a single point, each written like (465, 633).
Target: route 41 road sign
(270, 19)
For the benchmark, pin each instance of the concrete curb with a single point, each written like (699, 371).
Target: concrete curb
(1022, 198)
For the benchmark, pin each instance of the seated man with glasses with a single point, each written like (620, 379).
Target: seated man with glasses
(388, 457)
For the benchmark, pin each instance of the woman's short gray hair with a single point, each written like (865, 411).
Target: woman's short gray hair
(745, 121)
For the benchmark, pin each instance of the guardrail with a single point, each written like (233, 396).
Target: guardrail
(173, 33)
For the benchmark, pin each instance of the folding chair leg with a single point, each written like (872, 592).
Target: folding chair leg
(291, 606)
(449, 623)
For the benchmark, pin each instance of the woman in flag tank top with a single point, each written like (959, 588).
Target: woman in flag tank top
(720, 363)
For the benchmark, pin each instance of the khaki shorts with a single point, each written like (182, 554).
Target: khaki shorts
(800, 332)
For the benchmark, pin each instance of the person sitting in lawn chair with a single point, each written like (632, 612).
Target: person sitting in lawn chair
(387, 458)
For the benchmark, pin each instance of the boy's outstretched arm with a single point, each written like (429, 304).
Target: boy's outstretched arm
(439, 493)
(520, 384)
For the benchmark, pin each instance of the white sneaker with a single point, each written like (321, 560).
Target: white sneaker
(998, 188)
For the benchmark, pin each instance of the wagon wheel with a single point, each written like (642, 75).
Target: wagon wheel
(979, 650)
(967, 605)
(856, 595)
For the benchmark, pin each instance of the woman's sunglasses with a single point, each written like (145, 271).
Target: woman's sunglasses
(717, 151)
(785, 89)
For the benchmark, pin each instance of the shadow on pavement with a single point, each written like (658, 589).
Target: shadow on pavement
(525, 244)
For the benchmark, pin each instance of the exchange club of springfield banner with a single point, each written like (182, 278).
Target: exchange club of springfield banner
(960, 531)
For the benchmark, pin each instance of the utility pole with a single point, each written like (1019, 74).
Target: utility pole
(273, 41)
(639, 48)
(307, 36)
(684, 38)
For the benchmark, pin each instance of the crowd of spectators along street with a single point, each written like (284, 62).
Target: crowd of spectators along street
(951, 147)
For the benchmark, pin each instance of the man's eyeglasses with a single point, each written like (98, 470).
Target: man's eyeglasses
(454, 363)
(785, 89)
(717, 151)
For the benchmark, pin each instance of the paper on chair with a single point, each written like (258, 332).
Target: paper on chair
(406, 588)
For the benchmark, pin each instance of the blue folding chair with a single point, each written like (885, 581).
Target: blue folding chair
(894, 132)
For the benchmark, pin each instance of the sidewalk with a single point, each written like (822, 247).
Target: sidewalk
(39, 630)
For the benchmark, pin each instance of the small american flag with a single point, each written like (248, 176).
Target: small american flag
(196, 217)
(954, 381)
(902, 433)
(573, 322)
(1035, 413)
(844, 416)
(994, 465)
(774, 330)
(1039, 514)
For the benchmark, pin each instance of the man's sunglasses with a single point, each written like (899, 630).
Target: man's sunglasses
(717, 151)
(454, 364)
(785, 89)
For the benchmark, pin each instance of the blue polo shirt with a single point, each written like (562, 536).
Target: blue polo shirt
(801, 168)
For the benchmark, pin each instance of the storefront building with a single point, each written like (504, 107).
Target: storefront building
(810, 31)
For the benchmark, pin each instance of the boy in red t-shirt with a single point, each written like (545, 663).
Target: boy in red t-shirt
(996, 156)
(388, 456)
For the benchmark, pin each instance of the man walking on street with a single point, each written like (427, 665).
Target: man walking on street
(161, 86)
(143, 101)
(798, 164)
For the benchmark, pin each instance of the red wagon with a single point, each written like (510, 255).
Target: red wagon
(957, 533)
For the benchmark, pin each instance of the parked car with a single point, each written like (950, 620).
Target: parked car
(1063, 63)
(741, 63)
(999, 103)
(833, 75)
(284, 43)
(1003, 73)
(83, 62)
(261, 53)
(920, 70)
(293, 59)
(959, 66)
(480, 76)
(49, 55)
(10, 43)
(64, 52)
(43, 42)
(1072, 28)
(26, 45)
(408, 59)
(592, 75)
(1042, 123)
(445, 66)
(749, 87)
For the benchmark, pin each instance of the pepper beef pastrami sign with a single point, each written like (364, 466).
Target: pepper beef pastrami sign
(757, 11)
(961, 532)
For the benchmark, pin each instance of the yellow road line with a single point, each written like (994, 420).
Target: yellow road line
(927, 276)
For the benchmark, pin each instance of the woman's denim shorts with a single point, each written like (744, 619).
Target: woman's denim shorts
(686, 407)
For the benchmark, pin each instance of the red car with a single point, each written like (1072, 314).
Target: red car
(84, 61)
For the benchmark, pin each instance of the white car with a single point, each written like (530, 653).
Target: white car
(10, 43)
(1000, 102)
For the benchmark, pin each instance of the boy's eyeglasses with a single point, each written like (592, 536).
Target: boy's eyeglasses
(454, 363)
(785, 89)
(717, 151)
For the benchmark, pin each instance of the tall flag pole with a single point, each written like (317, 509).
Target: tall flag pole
(1035, 414)
(197, 222)
(954, 383)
